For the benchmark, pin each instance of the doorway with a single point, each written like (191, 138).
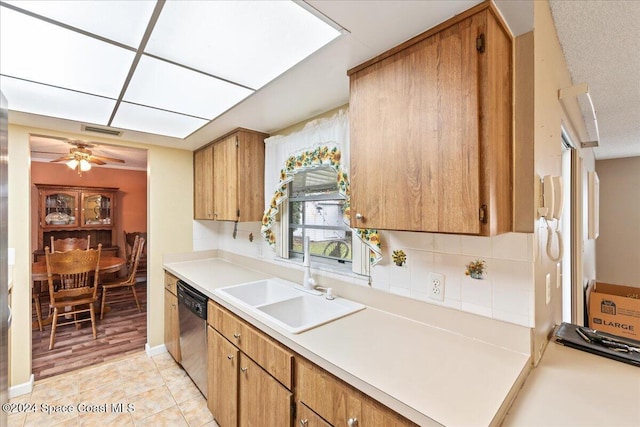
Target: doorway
(123, 330)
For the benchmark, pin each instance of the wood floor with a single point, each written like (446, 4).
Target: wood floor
(122, 331)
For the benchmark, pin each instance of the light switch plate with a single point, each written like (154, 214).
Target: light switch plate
(558, 275)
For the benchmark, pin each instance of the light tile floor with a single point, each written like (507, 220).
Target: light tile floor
(136, 390)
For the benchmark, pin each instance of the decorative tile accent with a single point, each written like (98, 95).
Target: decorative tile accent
(399, 257)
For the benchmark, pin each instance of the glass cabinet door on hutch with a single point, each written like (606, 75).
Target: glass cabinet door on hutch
(96, 209)
(59, 209)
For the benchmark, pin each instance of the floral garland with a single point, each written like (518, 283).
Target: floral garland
(308, 159)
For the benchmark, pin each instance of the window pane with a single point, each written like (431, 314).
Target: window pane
(335, 244)
(320, 180)
(326, 213)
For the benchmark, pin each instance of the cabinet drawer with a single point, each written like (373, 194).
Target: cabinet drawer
(269, 354)
(170, 283)
(338, 402)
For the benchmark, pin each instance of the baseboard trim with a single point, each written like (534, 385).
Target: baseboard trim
(20, 389)
(154, 351)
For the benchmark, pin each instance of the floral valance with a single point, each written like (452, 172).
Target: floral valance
(320, 156)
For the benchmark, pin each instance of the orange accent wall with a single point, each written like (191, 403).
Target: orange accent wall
(131, 212)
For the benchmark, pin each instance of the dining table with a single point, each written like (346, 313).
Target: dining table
(106, 265)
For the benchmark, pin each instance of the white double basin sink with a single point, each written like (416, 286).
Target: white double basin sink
(284, 304)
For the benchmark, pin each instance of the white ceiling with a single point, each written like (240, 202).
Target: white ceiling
(601, 43)
(320, 82)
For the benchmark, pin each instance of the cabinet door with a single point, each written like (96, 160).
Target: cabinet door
(415, 138)
(225, 179)
(458, 147)
(222, 399)
(171, 326)
(97, 209)
(59, 209)
(305, 417)
(263, 401)
(203, 183)
(251, 175)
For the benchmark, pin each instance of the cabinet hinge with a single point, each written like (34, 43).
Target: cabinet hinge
(237, 144)
(483, 214)
(480, 43)
(238, 213)
(293, 411)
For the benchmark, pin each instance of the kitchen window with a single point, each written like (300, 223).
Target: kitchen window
(315, 209)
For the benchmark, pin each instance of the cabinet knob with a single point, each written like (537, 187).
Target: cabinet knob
(304, 422)
(359, 216)
(243, 369)
(230, 356)
(236, 336)
(352, 422)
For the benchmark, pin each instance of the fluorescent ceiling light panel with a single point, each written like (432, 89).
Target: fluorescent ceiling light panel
(145, 119)
(55, 102)
(122, 21)
(167, 86)
(36, 50)
(248, 42)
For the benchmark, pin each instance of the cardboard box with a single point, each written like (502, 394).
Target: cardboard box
(615, 309)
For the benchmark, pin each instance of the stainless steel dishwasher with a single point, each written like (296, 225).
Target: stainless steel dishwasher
(192, 313)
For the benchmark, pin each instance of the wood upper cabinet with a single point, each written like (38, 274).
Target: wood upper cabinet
(430, 128)
(171, 323)
(229, 178)
(203, 183)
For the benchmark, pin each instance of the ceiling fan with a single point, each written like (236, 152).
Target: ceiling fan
(81, 158)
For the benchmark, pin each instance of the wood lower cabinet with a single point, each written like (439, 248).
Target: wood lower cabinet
(229, 177)
(338, 403)
(250, 376)
(222, 387)
(305, 417)
(171, 322)
(262, 401)
(430, 123)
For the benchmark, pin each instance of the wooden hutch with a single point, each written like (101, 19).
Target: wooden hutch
(69, 211)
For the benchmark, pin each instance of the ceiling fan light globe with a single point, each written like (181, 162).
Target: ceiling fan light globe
(72, 163)
(85, 165)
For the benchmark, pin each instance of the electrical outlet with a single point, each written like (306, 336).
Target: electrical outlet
(548, 287)
(436, 286)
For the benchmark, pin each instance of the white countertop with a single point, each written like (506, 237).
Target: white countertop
(570, 387)
(427, 374)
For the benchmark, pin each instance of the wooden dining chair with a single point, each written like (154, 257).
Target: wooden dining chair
(70, 243)
(73, 282)
(129, 241)
(130, 280)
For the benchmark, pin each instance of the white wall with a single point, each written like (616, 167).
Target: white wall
(618, 247)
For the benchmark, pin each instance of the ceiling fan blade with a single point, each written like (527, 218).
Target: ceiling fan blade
(108, 159)
(62, 159)
(59, 138)
(93, 159)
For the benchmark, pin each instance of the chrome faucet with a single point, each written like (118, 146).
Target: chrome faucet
(308, 282)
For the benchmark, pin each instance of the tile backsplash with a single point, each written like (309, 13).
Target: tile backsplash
(506, 292)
